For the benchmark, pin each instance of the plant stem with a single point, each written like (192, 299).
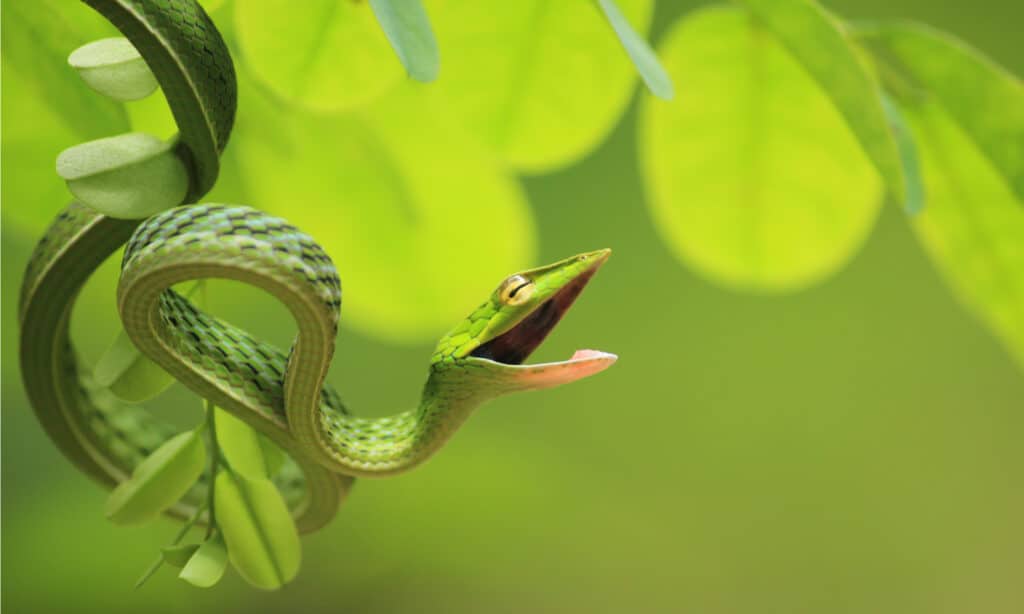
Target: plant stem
(214, 463)
(177, 538)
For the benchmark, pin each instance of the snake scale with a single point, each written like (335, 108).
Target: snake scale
(283, 395)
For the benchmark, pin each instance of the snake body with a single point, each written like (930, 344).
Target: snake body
(283, 395)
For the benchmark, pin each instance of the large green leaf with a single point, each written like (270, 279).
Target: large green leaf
(327, 55)
(755, 180)
(420, 222)
(407, 27)
(262, 541)
(973, 227)
(540, 82)
(159, 481)
(819, 42)
(240, 445)
(982, 97)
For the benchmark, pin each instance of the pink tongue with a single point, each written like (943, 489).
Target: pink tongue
(584, 354)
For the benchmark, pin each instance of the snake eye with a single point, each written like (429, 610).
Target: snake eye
(515, 290)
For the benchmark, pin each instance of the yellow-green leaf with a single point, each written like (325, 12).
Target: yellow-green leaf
(407, 27)
(114, 68)
(178, 555)
(159, 481)
(240, 445)
(328, 55)
(973, 226)
(261, 538)
(207, 564)
(406, 177)
(819, 42)
(539, 82)
(754, 179)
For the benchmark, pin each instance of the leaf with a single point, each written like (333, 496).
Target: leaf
(129, 374)
(644, 58)
(754, 180)
(818, 41)
(327, 55)
(556, 83)
(408, 30)
(973, 227)
(914, 202)
(129, 176)
(159, 481)
(179, 554)
(983, 98)
(452, 220)
(114, 68)
(240, 445)
(207, 565)
(262, 541)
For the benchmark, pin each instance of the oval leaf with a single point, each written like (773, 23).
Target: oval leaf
(431, 214)
(206, 566)
(130, 176)
(982, 97)
(262, 541)
(240, 445)
(818, 41)
(114, 68)
(973, 227)
(159, 481)
(178, 555)
(545, 84)
(755, 180)
(644, 58)
(407, 27)
(329, 56)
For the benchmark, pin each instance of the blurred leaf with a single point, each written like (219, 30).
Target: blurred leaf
(206, 567)
(262, 541)
(915, 200)
(179, 554)
(159, 481)
(128, 373)
(420, 223)
(985, 100)
(818, 41)
(644, 58)
(240, 445)
(113, 68)
(128, 176)
(973, 227)
(755, 180)
(408, 30)
(555, 84)
(327, 55)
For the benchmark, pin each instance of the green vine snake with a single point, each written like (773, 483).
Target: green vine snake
(281, 395)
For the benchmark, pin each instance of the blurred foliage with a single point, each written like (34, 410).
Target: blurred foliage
(787, 454)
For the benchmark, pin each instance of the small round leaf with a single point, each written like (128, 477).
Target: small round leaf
(114, 68)
(159, 481)
(206, 566)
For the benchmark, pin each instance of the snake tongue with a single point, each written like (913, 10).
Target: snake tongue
(583, 363)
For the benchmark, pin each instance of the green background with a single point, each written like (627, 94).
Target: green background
(854, 447)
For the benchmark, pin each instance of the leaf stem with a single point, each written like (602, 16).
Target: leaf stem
(177, 538)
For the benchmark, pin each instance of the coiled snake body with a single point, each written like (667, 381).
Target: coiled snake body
(281, 395)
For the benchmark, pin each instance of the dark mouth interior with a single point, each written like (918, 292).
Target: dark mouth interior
(516, 344)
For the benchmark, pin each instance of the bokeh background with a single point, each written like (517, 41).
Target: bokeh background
(850, 447)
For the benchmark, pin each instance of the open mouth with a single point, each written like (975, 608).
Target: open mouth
(515, 345)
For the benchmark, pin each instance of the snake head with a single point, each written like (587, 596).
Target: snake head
(495, 340)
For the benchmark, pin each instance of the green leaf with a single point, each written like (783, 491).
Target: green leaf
(240, 445)
(179, 554)
(818, 41)
(327, 55)
(206, 567)
(159, 481)
(408, 30)
(273, 455)
(914, 202)
(129, 176)
(755, 180)
(540, 83)
(128, 373)
(973, 227)
(430, 214)
(114, 68)
(644, 58)
(262, 541)
(983, 98)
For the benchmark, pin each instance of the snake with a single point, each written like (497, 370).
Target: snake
(281, 394)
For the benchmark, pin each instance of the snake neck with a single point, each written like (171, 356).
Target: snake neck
(383, 446)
